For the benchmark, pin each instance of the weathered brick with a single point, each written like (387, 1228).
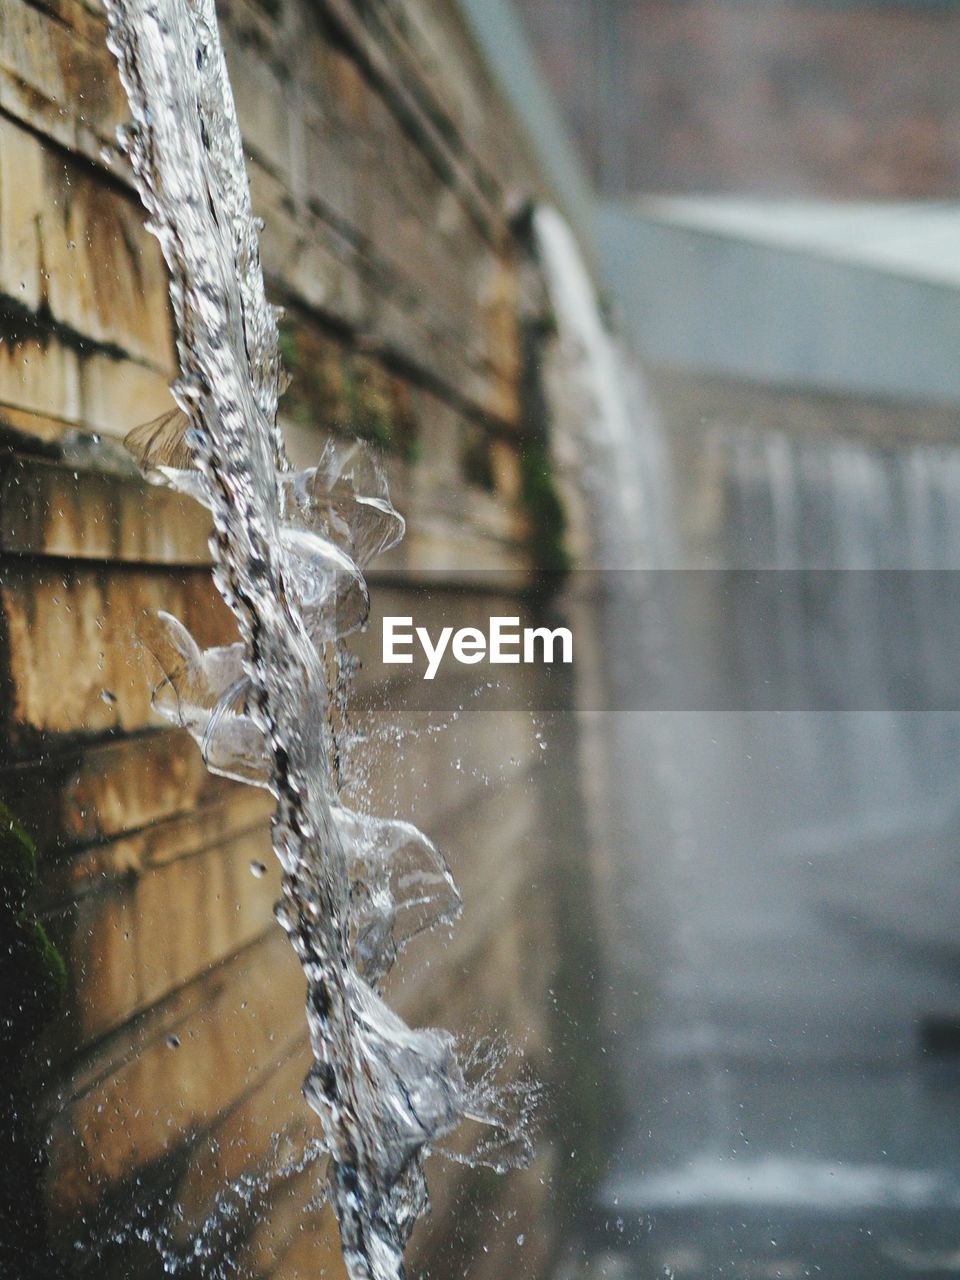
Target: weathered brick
(135, 1101)
(844, 101)
(78, 253)
(75, 668)
(125, 946)
(53, 510)
(83, 793)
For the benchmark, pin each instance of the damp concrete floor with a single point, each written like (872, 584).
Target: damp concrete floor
(783, 922)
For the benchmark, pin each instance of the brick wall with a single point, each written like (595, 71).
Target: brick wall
(853, 100)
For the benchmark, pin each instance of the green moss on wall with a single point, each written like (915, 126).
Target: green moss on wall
(548, 521)
(345, 392)
(476, 460)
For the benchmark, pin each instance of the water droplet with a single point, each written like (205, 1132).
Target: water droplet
(258, 869)
(173, 1042)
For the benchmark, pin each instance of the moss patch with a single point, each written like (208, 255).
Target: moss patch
(476, 460)
(539, 493)
(548, 520)
(348, 393)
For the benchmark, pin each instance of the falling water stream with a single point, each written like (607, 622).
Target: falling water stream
(289, 548)
(604, 424)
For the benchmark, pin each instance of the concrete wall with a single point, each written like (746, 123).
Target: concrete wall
(385, 163)
(698, 299)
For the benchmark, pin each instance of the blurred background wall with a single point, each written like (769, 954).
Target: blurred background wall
(780, 233)
(778, 217)
(838, 98)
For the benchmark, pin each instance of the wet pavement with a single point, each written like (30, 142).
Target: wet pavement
(785, 999)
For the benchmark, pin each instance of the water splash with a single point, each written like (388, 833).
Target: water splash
(288, 549)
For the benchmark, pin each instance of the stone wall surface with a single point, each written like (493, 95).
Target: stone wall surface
(386, 168)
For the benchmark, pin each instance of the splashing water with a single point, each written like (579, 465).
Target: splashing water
(288, 550)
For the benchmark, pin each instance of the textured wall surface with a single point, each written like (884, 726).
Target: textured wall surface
(855, 98)
(385, 167)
